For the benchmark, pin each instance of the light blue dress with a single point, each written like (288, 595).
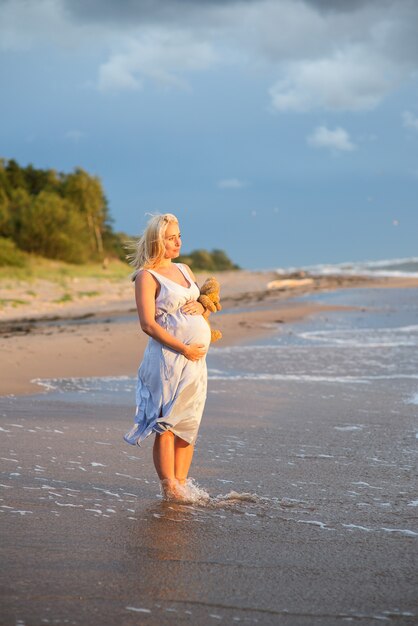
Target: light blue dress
(171, 390)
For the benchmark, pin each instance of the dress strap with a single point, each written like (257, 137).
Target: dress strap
(159, 277)
(185, 273)
(168, 282)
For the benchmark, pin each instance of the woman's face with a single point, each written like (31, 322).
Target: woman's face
(172, 241)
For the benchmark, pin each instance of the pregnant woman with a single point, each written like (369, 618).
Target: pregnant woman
(172, 378)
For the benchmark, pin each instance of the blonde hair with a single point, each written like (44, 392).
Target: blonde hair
(149, 249)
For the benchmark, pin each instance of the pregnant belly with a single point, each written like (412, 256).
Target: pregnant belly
(190, 328)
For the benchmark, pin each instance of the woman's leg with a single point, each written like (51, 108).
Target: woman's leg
(163, 455)
(183, 454)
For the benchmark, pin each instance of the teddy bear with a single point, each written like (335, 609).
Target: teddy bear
(210, 299)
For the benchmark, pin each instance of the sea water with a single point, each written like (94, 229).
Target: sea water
(394, 268)
(376, 343)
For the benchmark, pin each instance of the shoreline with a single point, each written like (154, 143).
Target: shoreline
(42, 301)
(115, 348)
(105, 342)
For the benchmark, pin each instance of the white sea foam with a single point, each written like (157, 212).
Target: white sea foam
(235, 496)
(339, 338)
(192, 493)
(357, 527)
(361, 483)
(128, 476)
(293, 377)
(22, 512)
(413, 399)
(91, 384)
(48, 384)
(401, 531)
(402, 268)
(365, 337)
(321, 525)
(187, 493)
(108, 493)
(358, 380)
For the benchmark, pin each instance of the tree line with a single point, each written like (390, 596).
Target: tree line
(203, 260)
(66, 217)
(55, 215)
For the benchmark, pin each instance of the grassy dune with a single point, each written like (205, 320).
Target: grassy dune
(39, 268)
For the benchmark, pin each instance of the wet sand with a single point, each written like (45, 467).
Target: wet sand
(327, 539)
(323, 530)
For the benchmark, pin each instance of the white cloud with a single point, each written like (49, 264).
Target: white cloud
(410, 120)
(323, 54)
(118, 74)
(348, 81)
(337, 139)
(231, 183)
(158, 55)
(342, 58)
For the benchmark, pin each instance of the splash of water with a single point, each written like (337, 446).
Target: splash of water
(187, 493)
(191, 493)
(233, 497)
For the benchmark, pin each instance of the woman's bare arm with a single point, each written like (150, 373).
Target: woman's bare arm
(145, 291)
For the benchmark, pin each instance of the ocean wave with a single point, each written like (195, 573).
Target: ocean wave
(400, 336)
(364, 380)
(366, 337)
(395, 268)
(107, 384)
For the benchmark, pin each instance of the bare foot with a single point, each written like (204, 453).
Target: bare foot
(183, 490)
(170, 489)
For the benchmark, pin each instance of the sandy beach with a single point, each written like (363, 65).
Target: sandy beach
(99, 335)
(307, 449)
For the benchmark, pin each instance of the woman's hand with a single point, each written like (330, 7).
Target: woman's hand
(193, 307)
(194, 351)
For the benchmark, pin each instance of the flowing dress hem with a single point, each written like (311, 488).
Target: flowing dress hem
(137, 439)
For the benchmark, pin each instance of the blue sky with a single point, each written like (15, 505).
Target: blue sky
(282, 131)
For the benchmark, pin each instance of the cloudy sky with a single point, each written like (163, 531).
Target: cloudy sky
(283, 131)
